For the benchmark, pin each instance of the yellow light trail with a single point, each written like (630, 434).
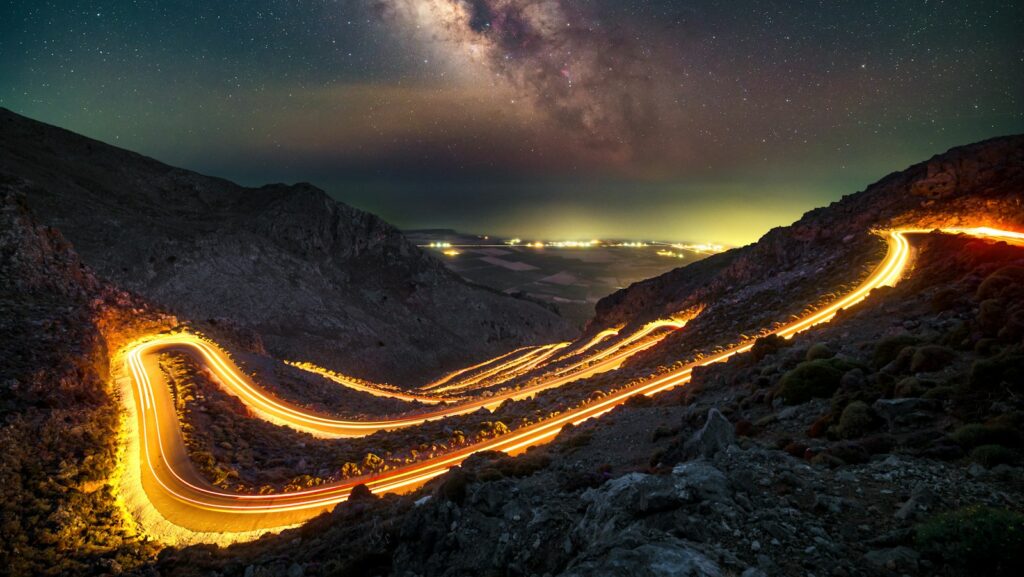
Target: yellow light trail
(355, 385)
(452, 375)
(186, 500)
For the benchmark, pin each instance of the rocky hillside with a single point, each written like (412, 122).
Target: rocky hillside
(316, 279)
(887, 444)
(58, 418)
(977, 183)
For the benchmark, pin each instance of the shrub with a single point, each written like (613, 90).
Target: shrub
(978, 540)
(819, 351)
(977, 434)
(372, 463)
(931, 358)
(944, 299)
(909, 387)
(857, 420)
(524, 465)
(812, 379)
(349, 470)
(940, 393)
(1004, 369)
(491, 429)
(639, 401)
(1006, 282)
(991, 316)
(886, 350)
(767, 345)
(989, 456)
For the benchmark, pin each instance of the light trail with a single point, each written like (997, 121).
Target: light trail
(518, 365)
(184, 499)
(450, 376)
(355, 385)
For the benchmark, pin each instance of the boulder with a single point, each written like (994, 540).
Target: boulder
(716, 434)
(895, 559)
(898, 412)
(700, 480)
(668, 558)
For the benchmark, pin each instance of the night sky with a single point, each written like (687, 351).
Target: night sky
(675, 120)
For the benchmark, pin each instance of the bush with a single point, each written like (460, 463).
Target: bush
(886, 350)
(909, 387)
(977, 434)
(819, 351)
(1006, 282)
(978, 540)
(856, 421)
(944, 299)
(992, 316)
(940, 393)
(1003, 370)
(767, 345)
(931, 358)
(989, 456)
(372, 463)
(812, 379)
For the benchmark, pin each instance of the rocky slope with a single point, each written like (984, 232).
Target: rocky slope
(885, 443)
(58, 417)
(977, 183)
(904, 458)
(316, 279)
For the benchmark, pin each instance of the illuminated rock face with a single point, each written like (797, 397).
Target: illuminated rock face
(293, 270)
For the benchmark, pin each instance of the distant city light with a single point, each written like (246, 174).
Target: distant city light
(451, 252)
(707, 248)
(671, 254)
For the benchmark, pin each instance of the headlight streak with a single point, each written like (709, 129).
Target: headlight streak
(169, 468)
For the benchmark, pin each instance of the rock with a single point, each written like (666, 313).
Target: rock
(921, 499)
(789, 413)
(361, 493)
(659, 559)
(296, 570)
(716, 434)
(895, 559)
(897, 412)
(701, 480)
(453, 488)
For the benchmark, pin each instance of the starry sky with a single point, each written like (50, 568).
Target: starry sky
(702, 120)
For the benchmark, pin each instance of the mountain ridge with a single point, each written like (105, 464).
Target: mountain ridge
(317, 279)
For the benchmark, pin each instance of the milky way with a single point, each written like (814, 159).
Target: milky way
(590, 76)
(677, 119)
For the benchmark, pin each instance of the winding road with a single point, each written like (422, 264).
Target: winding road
(164, 472)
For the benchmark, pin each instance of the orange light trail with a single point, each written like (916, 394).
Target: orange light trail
(186, 500)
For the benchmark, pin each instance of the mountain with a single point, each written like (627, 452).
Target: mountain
(744, 290)
(315, 279)
(886, 442)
